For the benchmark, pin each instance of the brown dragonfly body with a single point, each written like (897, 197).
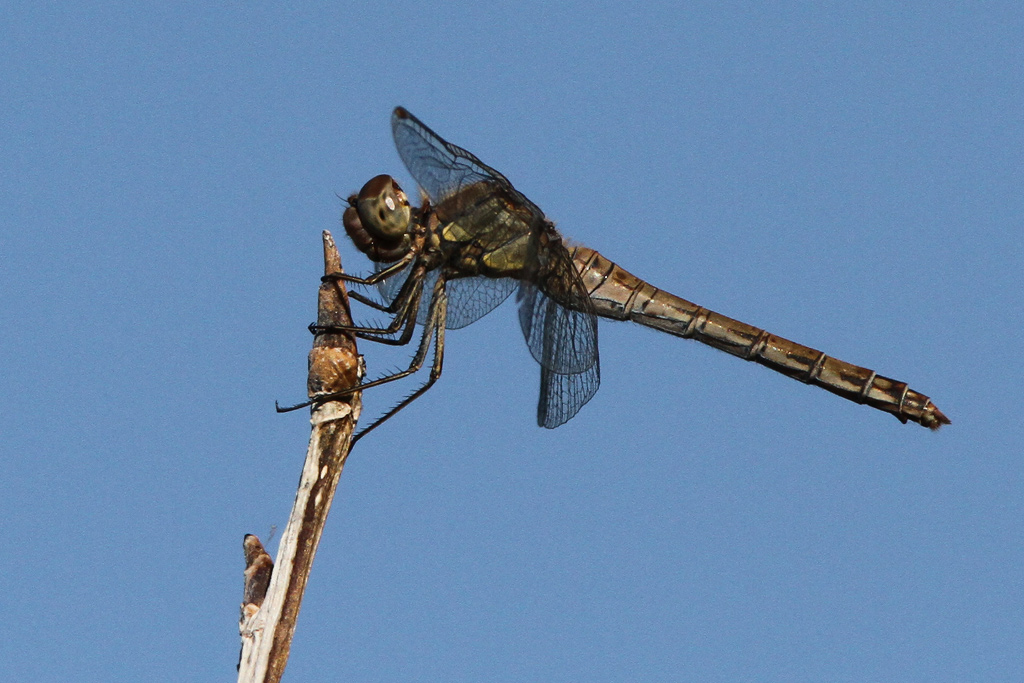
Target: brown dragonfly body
(476, 239)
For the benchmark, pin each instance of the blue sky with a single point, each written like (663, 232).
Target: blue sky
(845, 175)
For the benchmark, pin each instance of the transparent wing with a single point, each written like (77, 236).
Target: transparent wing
(441, 168)
(560, 327)
(462, 188)
(562, 395)
(561, 339)
(469, 299)
(555, 312)
(564, 342)
(557, 316)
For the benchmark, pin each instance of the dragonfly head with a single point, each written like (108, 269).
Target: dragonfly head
(378, 220)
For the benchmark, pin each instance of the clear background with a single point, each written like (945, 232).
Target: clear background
(845, 175)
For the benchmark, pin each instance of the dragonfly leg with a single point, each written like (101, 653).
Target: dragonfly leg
(367, 301)
(372, 280)
(370, 333)
(438, 303)
(396, 303)
(407, 326)
(435, 371)
(406, 306)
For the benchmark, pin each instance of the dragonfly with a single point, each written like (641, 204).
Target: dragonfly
(475, 240)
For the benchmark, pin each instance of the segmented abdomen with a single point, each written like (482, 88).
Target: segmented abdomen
(619, 295)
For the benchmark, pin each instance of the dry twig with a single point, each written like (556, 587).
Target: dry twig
(334, 365)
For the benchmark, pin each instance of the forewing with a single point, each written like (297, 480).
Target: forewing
(556, 314)
(462, 188)
(441, 168)
(479, 201)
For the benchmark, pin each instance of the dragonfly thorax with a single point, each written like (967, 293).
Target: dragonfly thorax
(378, 220)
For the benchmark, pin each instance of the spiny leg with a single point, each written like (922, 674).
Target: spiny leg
(397, 302)
(372, 280)
(410, 324)
(367, 301)
(407, 325)
(414, 366)
(440, 301)
(376, 278)
(407, 305)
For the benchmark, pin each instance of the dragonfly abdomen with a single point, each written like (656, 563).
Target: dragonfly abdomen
(619, 295)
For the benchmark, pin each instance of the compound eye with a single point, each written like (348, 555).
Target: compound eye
(383, 208)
